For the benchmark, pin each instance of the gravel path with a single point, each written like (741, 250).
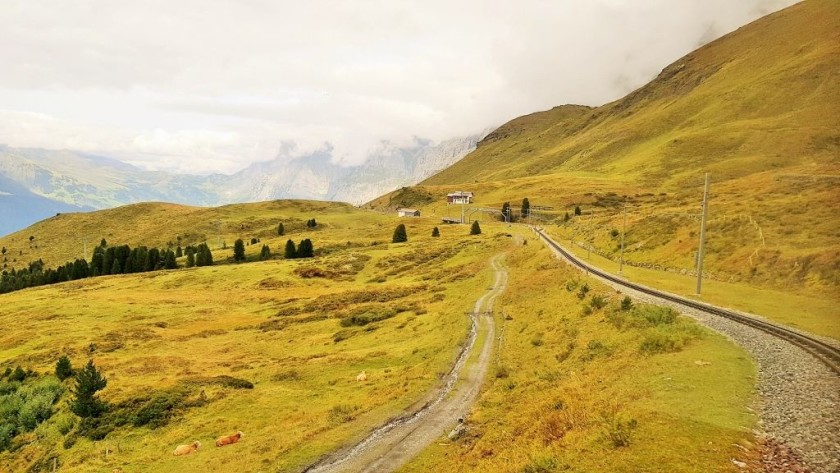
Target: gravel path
(798, 396)
(396, 442)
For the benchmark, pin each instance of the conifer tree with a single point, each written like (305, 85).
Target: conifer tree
(399, 234)
(475, 229)
(88, 381)
(265, 253)
(305, 249)
(526, 208)
(190, 257)
(169, 261)
(178, 252)
(506, 217)
(239, 250)
(290, 251)
(115, 268)
(63, 368)
(577, 210)
(280, 230)
(435, 232)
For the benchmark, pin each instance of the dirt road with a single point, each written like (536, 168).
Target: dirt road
(398, 441)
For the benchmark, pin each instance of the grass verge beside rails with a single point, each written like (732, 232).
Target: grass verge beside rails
(583, 384)
(817, 315)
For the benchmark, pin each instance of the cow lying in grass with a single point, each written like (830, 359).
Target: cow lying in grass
(186, 449)
(229, 439)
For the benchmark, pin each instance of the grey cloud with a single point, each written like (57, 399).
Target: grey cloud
(348, 73)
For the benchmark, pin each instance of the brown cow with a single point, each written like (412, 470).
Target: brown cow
(186, 449)
(229, 439)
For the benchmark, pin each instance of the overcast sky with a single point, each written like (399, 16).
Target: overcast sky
(210, 86)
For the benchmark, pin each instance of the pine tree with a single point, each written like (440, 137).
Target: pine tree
(399, 234)
(115, 268)
(435, 232)
(88, 381)
(63, 368)
(506, 212)
(475, 229)
(305, 249)
(169, 261)
(265, 253)
(566, 217)
(239, 250)
(190, 257)
(280, 230)
(178, 252)
(103, 243)
(526, 208)
(290, 252)
(577, 210)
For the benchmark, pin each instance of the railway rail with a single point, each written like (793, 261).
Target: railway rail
(824, 352)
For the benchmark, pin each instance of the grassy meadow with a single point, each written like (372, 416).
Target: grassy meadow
(183, 346)
(582, 385)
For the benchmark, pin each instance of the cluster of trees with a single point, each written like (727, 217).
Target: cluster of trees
(524, 211)
(199, 255)
(106, 260)
(303, 250)
(125, 260)
(311, 223)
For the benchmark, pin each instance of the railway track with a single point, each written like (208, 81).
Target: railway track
(822, 351)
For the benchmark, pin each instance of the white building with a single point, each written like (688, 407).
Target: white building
(459, 197)
(408, 213)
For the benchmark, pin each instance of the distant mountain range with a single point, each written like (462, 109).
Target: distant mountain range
(38, 183)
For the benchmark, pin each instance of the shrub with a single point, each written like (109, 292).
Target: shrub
(659, 341)
(598, 302)
(626, 303)
(342, 413)
(435, 232)
(618, 430)
(17, 375)
(541, 464)
(584, 289)
(159, 409)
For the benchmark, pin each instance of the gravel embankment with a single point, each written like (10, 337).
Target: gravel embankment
(798, 395)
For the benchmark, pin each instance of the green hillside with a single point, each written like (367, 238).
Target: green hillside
(759, 109)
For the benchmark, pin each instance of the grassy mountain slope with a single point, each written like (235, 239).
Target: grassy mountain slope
(759, 109)
(179, 347)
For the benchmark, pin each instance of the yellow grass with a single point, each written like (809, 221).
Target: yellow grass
(151, 331)
(568, 377)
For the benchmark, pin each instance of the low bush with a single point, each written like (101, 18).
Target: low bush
(342, 413)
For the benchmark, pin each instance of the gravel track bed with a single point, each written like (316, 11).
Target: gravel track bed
(798, 395)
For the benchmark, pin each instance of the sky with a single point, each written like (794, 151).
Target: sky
(201, 86)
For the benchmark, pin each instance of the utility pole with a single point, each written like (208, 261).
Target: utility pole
(591, 237)
(702, 234)
(623, 231)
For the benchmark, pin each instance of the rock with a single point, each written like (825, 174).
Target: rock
(739, 464)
